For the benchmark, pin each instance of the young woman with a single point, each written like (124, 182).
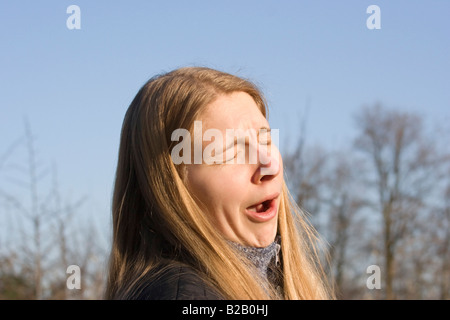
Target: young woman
(201, 228)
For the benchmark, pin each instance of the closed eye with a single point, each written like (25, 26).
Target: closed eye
(264, 136)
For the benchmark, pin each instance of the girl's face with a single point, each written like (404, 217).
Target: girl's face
(241, 191)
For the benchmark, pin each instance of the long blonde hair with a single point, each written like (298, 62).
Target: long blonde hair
(155, 218)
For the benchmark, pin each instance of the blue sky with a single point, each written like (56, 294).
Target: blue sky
(74, 86)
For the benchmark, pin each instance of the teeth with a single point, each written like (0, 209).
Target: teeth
(257, 208)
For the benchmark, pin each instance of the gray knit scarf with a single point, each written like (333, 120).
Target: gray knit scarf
(263, 258)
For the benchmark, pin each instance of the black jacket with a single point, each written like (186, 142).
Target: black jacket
(179, 282)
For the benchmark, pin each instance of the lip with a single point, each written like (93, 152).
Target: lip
(267, 215)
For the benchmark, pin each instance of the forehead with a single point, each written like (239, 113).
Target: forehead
(237, 110)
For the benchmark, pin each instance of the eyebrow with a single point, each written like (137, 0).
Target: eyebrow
(231, 144)
(264, 128)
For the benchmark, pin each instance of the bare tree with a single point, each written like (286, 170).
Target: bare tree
(306, 174)
(406, 167)
(343, 201)
(31, 212)
(46, 238)
(439, 267)
(322, 183)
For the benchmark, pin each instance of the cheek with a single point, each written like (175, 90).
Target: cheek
(217, 187)
(211, 185)
(280, 158)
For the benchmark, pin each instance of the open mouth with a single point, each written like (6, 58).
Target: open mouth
(263, 211)
(261, 207)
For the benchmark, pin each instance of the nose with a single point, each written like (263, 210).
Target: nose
(268, 164)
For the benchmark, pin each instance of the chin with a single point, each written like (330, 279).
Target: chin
(263, 238)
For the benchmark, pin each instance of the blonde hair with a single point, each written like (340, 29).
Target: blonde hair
(155, 218)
